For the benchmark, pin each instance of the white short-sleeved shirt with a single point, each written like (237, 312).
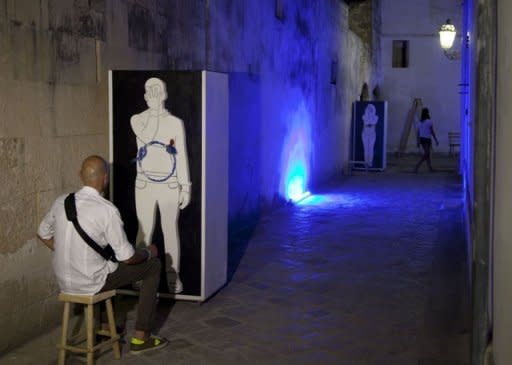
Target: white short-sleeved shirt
(425, 128)
(80, 269)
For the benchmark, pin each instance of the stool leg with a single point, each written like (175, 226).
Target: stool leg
(64, 334)
(89, 322)
(112, 329)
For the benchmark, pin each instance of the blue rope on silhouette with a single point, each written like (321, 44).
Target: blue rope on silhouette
(143, 151)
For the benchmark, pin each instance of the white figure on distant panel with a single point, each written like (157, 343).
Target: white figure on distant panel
(162, 174)
(370, 119)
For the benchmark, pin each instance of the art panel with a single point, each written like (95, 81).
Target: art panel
(369, 123)
(158, 170)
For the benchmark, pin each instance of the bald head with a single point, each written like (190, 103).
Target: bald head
(94, 172)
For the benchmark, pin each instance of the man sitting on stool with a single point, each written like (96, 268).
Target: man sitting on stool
(81, 270)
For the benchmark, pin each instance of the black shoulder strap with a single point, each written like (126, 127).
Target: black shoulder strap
(70, 206)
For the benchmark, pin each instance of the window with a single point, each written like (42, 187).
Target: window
(400, 54)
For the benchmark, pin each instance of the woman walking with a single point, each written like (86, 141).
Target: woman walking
(424, 137)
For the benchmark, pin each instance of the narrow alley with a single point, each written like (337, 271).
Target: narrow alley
(371, 270)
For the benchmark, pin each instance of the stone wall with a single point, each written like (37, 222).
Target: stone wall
(361, 20)
(288, 63)
(54, 58)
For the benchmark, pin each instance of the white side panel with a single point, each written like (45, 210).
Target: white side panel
(110, 135)
(384, 147)
(215, 198)
(203, 183)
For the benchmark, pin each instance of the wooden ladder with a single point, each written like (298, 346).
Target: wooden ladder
(417, 105)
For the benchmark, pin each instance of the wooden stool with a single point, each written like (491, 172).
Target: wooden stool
(88, 301)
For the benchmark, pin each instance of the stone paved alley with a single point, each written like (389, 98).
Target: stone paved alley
(371, 271)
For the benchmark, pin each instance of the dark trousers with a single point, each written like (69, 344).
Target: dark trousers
(149, 273)
(426, 143)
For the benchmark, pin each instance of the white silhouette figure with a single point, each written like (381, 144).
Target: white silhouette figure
(162, 174)
(368, 135)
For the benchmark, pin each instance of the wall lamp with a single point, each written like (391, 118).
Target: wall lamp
(447, 34)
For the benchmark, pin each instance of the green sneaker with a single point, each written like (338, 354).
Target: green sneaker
(139, 346)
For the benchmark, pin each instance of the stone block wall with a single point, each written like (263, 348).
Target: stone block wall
(54, 58)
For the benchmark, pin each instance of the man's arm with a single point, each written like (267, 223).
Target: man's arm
(134, 123)
(142, 255)
(182, 166)
(434, 135)
(47, 228)
(115, 235)
(48, 242)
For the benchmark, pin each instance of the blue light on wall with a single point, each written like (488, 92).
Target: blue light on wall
(296, 155)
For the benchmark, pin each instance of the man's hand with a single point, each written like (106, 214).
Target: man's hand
(184, 199)
(153, 249)
(142, 255)
(48, 242)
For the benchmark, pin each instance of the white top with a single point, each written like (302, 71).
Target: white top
(80, 269)
(425, 128)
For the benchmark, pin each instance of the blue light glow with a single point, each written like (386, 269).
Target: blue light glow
(333, 200)
(299, 197)
(295, 188)
(314, 200)
(296, 155)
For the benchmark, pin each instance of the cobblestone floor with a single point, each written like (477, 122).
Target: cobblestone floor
(370, 271)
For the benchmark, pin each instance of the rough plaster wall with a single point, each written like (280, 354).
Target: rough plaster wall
(187, 34)
(502, 255)
(292, 58)
(360, 20)
(376, 50)
(332, 109)
(54, 57)
(430, 75)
